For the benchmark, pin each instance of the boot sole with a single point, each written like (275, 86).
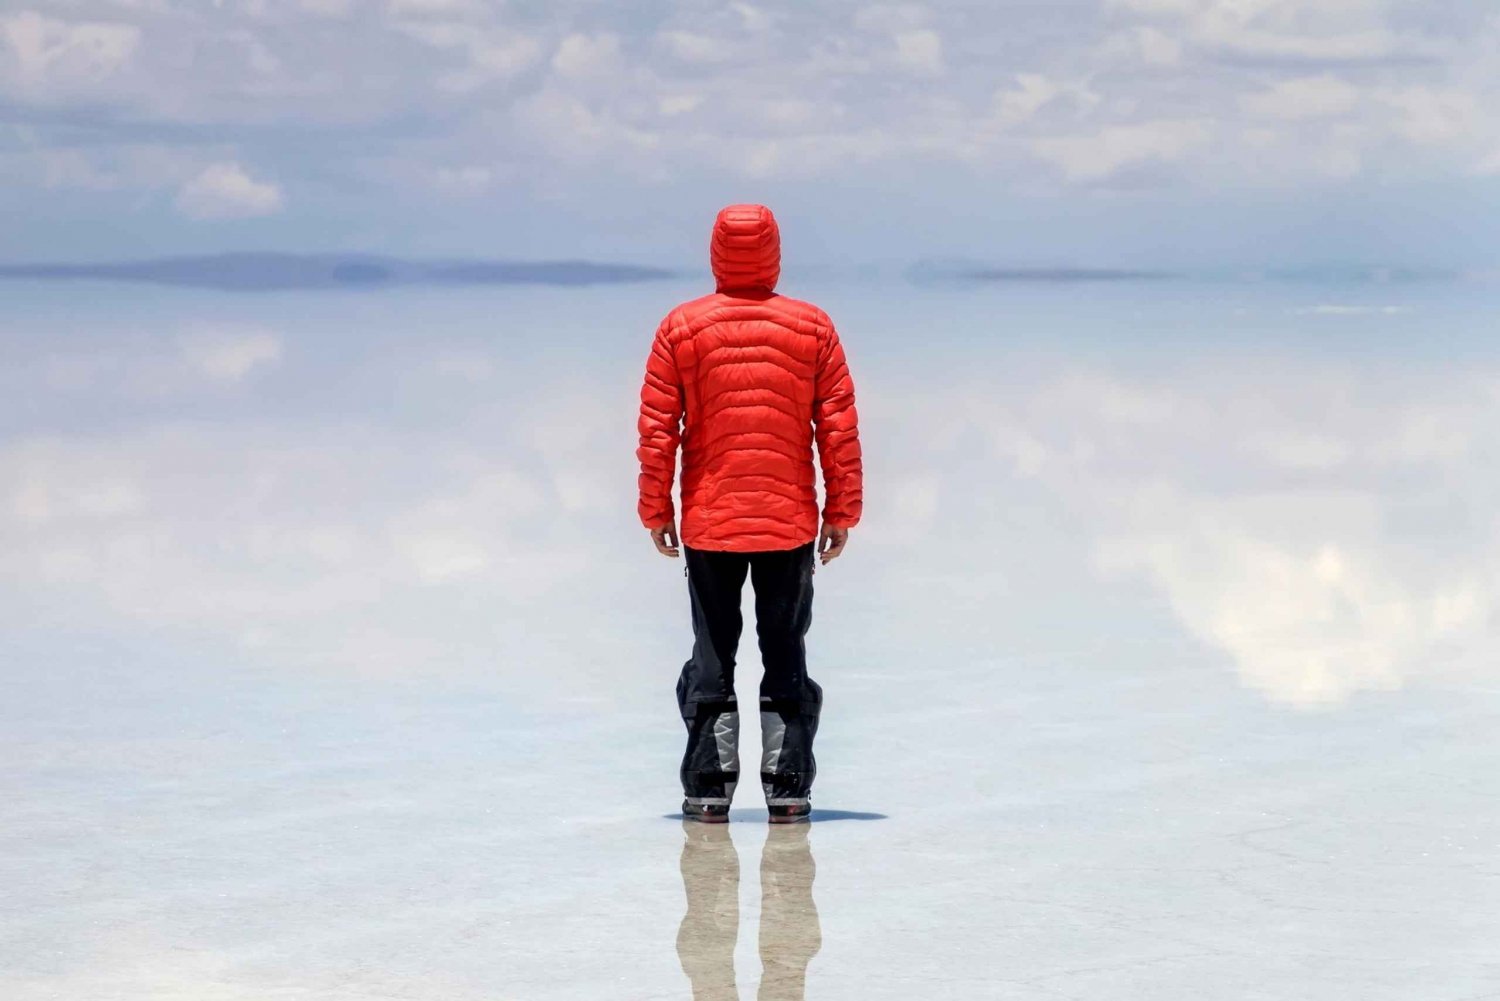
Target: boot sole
(800, 818)
(703, 816)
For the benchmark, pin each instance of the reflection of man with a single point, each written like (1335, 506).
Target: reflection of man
(790, 934)
(746, 380)
(705, 940)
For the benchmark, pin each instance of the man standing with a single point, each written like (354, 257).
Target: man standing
(745, 380)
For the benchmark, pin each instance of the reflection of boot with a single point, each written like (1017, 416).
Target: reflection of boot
(790, 934)
(705, 941)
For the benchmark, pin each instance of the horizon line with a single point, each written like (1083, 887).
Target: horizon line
(322, 270)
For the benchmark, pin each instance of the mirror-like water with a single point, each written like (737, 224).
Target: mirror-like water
(336, 665)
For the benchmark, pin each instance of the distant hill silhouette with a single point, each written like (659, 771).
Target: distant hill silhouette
(962, 271)
(256, 272)
(269, 272)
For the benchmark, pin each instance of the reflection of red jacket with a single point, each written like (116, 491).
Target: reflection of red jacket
(752, 377)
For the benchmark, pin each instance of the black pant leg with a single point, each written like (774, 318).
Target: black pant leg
(705, 688)
(790, 701)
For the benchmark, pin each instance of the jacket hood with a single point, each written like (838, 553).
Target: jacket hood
(745, 249)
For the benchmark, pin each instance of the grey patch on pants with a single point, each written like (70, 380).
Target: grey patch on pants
(772, 737)
(727, 741)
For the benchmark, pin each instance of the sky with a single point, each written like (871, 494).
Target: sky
(1070, 132)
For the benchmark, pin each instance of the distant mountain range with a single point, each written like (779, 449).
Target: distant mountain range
(983, 274)
(256, 272)
(960, 270)
(265, 272)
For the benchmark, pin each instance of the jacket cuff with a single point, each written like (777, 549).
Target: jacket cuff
(659, 519)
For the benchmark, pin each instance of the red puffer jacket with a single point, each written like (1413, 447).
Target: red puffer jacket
(752, 378)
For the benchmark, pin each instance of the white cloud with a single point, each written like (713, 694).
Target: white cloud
(1042, 101)
(438, 556)
(1303, 98)
(1336, 158)
(788, 112)
(752, 18)
(572, 128)
(1358, 47)
(763, 92)
(891, 18)
(225, 191)
(906, 28)
(1265, 506)
(582, 56)
(915, 501)
(328, 8)
(1311, 30)
(436, 8)
(920, 50)
(1334, 309)
(298, 555)
(678, 104)
(1300, 449)
(1157, 48)
(1307, 624)
(491, 53)
(119, 167)
(1032, 92)
(49, 59)
(38, 498)
(1112, 149)
(463, 182)
(469, 366)
(229, 355)
(1488, 166)
(802, 155)
(693, 47)
(1431, 115)
(1158, 7)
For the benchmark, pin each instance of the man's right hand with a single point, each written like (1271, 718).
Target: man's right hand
(665, 537)
(831, 542)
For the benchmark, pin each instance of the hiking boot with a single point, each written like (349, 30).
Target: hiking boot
(799, 813)
(714, 813)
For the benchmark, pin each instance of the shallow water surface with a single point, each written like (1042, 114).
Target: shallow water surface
(335, 664)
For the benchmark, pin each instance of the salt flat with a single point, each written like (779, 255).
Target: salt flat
(1163, 665)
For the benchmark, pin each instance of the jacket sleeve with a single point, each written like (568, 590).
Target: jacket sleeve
(660, 428)
(836, 427)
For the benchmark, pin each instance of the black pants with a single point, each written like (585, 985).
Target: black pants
(789, 700)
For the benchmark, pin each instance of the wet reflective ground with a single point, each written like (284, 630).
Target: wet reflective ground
(790, 934)
(333, 664)
(1074, 830)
